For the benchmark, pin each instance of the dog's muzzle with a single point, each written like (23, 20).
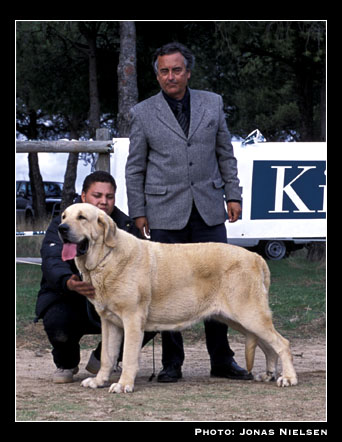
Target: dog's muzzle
(71, 249)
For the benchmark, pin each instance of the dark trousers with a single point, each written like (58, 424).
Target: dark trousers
(65, 323)
(216, 332)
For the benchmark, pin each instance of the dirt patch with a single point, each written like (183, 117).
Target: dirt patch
(196, 397)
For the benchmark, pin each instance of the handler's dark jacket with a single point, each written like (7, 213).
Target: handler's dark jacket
(57, 272)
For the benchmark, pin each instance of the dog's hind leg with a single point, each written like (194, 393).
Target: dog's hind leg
(271, 363)
(269, 337)
(110, 348)
(269, 340)
(289, 376)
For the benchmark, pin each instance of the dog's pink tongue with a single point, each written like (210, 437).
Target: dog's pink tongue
(69, 251)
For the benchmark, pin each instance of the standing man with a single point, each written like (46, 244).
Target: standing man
(180, 166)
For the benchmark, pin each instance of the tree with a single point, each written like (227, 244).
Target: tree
(90, 32)
(37, 187)
(127, 76)
(279, 75)
(54, 66)
(36, 180)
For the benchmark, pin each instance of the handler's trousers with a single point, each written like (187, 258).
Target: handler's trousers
(216, 332)
(65, 323)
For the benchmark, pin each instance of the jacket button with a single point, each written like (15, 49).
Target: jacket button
(191, 163)
(189, 144)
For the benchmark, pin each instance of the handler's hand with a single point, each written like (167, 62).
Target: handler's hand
(234, 211)
(83, 288)
(142, 224)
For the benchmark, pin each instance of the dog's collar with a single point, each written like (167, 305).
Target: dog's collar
(104, 257)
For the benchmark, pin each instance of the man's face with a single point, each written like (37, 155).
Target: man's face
(101, 195)
(172, 75)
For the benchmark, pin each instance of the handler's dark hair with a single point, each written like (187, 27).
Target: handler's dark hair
(98, 176)
(172, 48)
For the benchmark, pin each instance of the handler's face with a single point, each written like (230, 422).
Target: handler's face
(172, 75)
(101, 195)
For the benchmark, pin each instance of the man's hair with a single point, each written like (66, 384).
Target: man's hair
(98, 176)
(172, 48)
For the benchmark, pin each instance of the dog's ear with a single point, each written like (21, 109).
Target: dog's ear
(109, 228)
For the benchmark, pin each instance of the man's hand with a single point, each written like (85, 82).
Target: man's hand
(142, 224)
(83, 288)
(234, 211)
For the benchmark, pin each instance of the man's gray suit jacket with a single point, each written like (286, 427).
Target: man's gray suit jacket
(166, 171)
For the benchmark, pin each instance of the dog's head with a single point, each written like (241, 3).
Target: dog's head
(84, 230)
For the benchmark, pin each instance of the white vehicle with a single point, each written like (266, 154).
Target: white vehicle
(283, 194)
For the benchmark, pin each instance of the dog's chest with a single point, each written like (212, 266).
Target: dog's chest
(100, 301)
(104, 312)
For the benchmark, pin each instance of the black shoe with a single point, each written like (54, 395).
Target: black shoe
(230, 371)
(170, 373)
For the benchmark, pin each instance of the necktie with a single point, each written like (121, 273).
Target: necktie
(182, 120)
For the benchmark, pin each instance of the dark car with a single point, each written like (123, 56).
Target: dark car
(53, 197)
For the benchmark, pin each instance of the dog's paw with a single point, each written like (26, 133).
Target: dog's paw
(90, 383)
(265, 377)
(284, 381)
(119, 388)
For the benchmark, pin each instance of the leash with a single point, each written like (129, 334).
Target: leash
(153, 375)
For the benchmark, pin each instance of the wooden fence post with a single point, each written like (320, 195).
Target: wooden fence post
(103, 160)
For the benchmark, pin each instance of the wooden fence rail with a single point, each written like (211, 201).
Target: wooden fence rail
(64, 146)
(103, 146)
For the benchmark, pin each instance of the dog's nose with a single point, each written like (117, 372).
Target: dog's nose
(63, 229)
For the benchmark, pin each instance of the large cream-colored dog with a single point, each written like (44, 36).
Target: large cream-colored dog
(142, 285)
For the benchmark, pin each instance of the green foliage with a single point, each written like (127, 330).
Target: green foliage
(271, 74)
(280, 70)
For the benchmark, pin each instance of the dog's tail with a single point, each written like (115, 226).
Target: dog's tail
(250, 346)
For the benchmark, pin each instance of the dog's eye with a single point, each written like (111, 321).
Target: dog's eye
(81, 217)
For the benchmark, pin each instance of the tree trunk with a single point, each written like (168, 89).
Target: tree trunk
(69, 181)
(127, 76)
(36, 180)
(70, 175)
(37, 188)
(90, 31)
(94, 109)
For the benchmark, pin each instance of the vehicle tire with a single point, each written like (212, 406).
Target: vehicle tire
(274, 249)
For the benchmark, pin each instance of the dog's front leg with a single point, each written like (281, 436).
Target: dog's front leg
(110, 348)
(134, 334)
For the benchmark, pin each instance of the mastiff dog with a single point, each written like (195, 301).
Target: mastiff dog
(142, 285)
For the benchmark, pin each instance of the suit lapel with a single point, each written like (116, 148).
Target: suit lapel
(196, 113)
(165, 114)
